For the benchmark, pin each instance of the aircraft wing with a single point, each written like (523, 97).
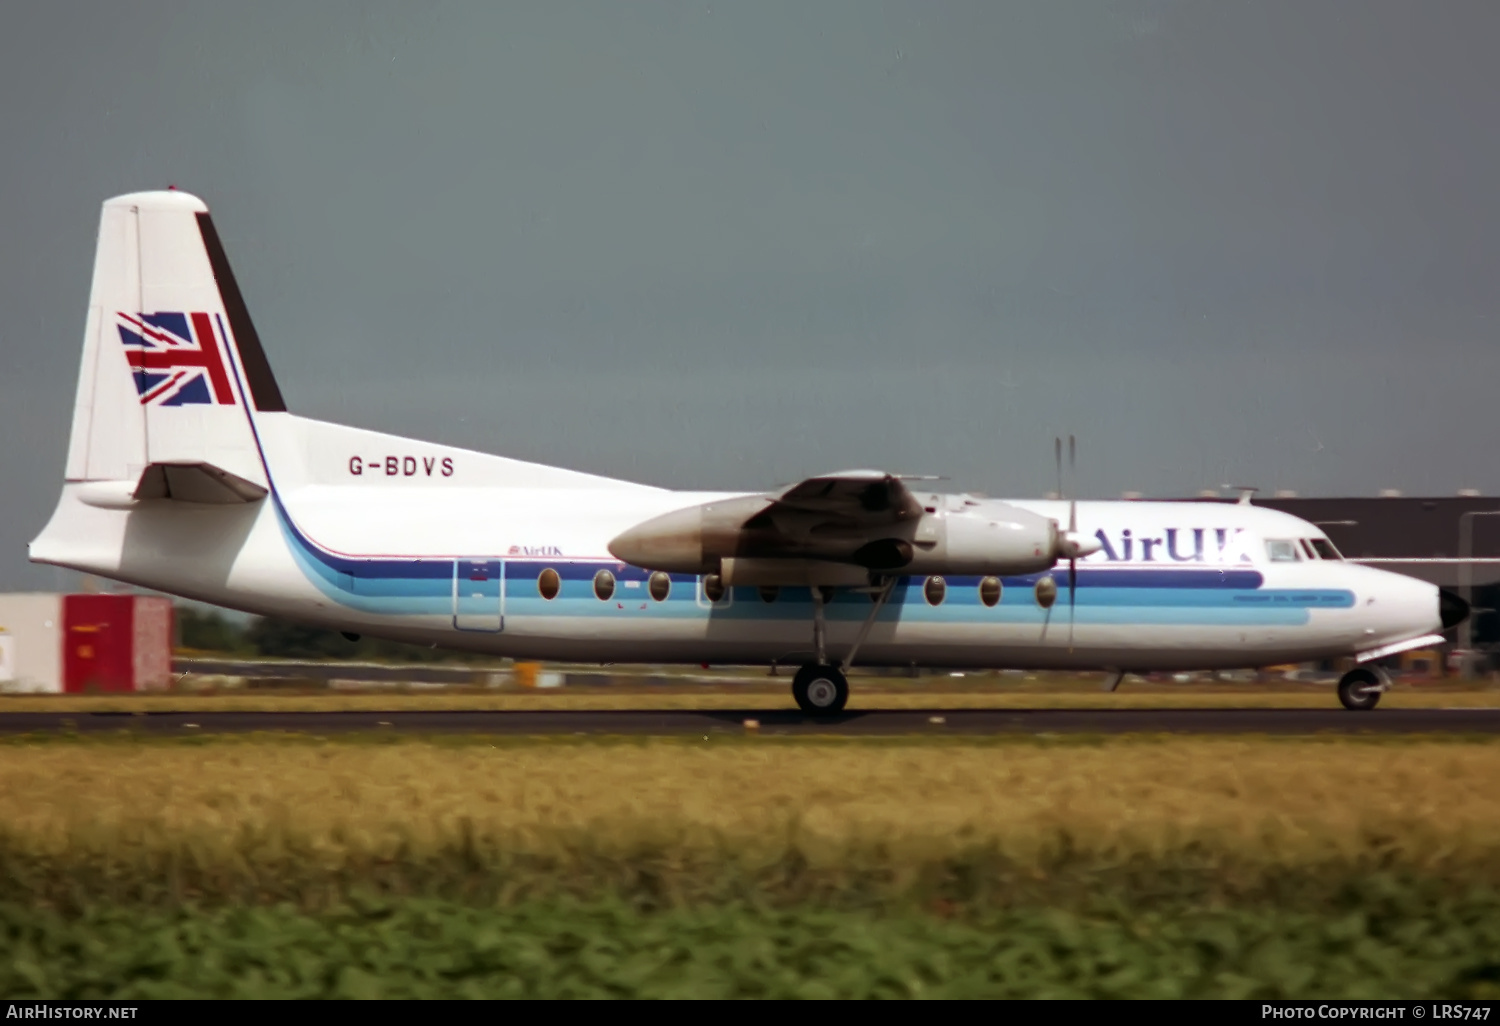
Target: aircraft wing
(849, 517)
(829, 517)
(849, 499)
(855, 520)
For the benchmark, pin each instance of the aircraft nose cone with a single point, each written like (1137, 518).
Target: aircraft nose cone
(1452, 609)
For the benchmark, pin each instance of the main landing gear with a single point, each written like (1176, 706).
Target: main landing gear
(1360, 689)
(820, 687)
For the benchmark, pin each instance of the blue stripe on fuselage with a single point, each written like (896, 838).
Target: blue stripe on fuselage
(1106, 595)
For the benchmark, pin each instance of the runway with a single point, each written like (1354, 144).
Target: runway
(705, 723)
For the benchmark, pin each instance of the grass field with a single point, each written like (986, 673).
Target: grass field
(1277, 799)
(750, 867)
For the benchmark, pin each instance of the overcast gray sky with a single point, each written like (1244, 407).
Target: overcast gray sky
(726, 245)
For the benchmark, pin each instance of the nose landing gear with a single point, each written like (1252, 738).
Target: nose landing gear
(1360, 689)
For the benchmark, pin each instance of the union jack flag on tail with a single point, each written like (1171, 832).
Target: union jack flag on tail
(175, 358)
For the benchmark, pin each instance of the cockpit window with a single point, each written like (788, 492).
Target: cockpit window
(1281, 551)
(1307, 549)
(1325, 548)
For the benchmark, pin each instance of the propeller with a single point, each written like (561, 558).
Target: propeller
(1057, 450)
(1072, 547)
(1057, 454)
(1068, 544)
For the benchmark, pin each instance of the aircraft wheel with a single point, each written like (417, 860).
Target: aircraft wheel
(1359, 690)
(820, 690)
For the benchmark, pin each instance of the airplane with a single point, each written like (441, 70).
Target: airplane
(187, 474)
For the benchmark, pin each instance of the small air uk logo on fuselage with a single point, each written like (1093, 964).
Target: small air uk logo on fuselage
(176, 359)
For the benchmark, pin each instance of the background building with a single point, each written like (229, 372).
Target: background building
(77, 643)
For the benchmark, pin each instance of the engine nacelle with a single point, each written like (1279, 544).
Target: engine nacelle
(992, 539)
(692, 540)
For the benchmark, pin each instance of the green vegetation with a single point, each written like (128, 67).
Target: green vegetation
(1106, 867)
(209, 632)
(426, 948)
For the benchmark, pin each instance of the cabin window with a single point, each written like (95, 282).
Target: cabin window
(768, 592)
(1281, 551)
(660, 586)
(1325, 548)
(604, 585)
(713, 587)
(548, 583)
(1046, 592)
(935, 590)
(989, 591)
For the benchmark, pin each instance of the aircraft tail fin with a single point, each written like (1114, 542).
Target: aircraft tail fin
(171, 358)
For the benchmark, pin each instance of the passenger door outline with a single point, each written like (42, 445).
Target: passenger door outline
(479, 595)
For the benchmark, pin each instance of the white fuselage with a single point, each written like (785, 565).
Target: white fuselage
(377, 535)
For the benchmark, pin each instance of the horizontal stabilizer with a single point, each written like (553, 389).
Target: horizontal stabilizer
(180, 482)
(196, 482)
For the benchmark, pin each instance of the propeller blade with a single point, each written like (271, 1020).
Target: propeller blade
(1072, 503)
(1072, 598)
(1057, 451)
(1073, 539)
